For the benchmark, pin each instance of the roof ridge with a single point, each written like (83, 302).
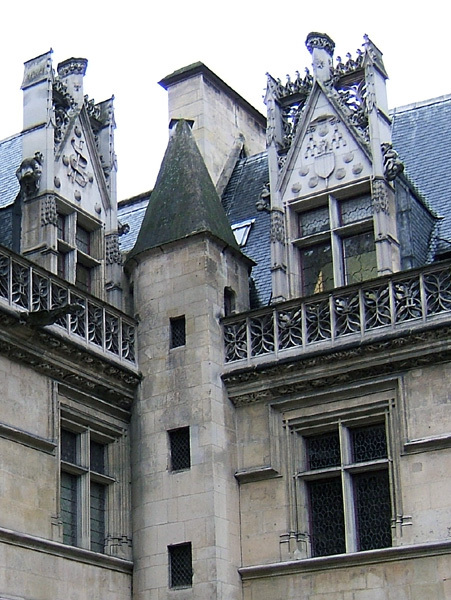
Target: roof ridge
(420, 104)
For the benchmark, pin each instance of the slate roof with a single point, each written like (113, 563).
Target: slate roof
(239, 200)
(10, 159)
(184, 201)
(422, 138)
(131, 212)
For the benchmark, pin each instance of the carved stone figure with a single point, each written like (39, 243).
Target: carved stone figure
(29, 174)
(392, 164)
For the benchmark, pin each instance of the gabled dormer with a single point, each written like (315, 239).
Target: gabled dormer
(331, 172)
(68, 178)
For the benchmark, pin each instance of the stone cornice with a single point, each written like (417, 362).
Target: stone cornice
(342, 561)
(65, 361)
(27, 439)
(80, 555)
(359, 361)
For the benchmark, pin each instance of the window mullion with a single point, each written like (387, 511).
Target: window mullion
(348, 494)
(84, 493)
(335, 241)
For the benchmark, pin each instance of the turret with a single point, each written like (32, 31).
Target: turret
(186, 270)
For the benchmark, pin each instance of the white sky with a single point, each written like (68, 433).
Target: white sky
(132, 46)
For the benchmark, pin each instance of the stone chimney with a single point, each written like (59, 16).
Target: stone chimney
(71, 73)
(321, 47)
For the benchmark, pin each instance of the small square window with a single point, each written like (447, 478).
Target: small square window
(178, 333)
(180, 565)
(180, 449)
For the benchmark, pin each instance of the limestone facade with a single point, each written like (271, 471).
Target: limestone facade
(188, 446)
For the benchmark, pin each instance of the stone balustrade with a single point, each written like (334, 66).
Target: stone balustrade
(30, 290)
(355, 313)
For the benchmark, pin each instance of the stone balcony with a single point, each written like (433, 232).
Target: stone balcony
(42, 299)
(382, 308)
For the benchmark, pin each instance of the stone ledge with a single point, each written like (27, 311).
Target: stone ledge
(429, 444)
(341, 561)
(80, 555)
(256, 474)
(27, 439)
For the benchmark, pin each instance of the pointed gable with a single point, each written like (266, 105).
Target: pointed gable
(328, 151)
(184, 201)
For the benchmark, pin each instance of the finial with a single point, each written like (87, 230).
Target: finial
(320, 40)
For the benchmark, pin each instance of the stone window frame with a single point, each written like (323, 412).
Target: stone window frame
(179, 449)
(336, 233)
(180, 563)
(70, 222)
(355, 407)
(113, 439)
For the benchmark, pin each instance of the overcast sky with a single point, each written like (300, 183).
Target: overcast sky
(132, 45)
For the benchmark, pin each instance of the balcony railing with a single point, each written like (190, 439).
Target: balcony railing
(353, 313)
(28, 288)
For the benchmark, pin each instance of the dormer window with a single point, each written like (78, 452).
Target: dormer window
(336, 243)
(79, 248)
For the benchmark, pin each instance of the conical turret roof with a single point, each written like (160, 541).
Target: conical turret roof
(184, 201)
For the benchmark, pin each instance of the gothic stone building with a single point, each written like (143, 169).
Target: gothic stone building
(236, 386)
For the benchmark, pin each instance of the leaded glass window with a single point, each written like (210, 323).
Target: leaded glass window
(344, 478)
(84, 487)
(317, 269)
(179, 442)
(327, 517)
(69, 515)
(314, 221)
(180, 565)
(336, 243)
(359, 256)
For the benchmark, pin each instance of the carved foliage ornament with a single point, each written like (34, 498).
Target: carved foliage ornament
(380, 197)
(277, 227)
(113, 253)
(49, 215)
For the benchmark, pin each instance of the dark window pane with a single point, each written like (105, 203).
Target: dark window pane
(69, 446)
(369, 443)
(317, 270)
(178, 335)
(327, 518)
(61, 265)
(97, 505)
(372, 501)
(97, 457)
(180, 565)
(314, 221)
(323, 451)
(356, 209)
(82, 240)
(180, 449)
(83, 277)
(359, 253)
(69, 508)
(61, 225)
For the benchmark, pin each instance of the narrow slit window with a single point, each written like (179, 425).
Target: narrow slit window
(178, 332)
(180, 565)
(179, 442)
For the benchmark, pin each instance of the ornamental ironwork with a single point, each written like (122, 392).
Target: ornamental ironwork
(358, 312)
(31, 291)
